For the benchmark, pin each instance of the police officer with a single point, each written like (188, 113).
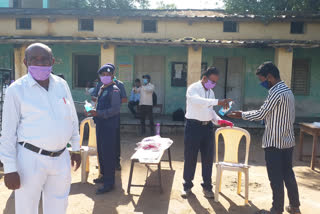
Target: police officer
(106, 117)
(123, 98)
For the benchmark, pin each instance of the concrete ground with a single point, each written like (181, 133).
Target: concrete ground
(83, 200)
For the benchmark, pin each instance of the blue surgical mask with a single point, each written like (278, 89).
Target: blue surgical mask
(145, 81)
(265, 84)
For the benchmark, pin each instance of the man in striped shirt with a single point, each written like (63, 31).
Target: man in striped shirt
(278, 112)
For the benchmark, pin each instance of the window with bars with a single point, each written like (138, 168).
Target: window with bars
(86, 24)
(23, 23)
(149, 26)
(230, 26)
(16, 4)
(297, 27)
(300, 77)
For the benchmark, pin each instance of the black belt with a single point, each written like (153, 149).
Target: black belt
(41, 151)
(202, 123)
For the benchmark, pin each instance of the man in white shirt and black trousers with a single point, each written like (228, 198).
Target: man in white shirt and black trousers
(199, 130)
(39, 119)
(278, 112)
(146, 104)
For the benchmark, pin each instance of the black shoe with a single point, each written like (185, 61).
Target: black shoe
(185, 193)
(208, 193)
(293, 210)
(272, 211)
(118, 167)
(98, 180)
(104, 190)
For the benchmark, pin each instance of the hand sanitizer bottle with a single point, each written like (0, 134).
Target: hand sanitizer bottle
(88, 106)
(223, 111)
(158, 129)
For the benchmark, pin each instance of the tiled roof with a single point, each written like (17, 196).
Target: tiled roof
(172, 42)
(115, 13)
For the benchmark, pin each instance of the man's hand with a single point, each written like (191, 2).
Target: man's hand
(235, 114)
(12, 180)
(224, 103)
(75, 161)
(94, 99)
(92, 113)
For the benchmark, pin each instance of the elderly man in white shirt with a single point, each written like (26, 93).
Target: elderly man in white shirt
(39, 119)
(199, 130)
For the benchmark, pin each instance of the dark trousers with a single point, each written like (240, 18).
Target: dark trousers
(106, 144)
(118, 145)
(279, 167)
(146, 112)
(197, 138)
(131, 106)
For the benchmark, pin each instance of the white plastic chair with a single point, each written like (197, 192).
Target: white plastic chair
(232, 137)
(89, 150)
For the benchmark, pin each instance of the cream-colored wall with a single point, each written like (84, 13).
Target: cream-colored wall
(194, 64)
(283, 60)
(39, 27)
(166, 29)
(108, 54)
(19, 67)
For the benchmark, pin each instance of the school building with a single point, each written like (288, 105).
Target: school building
(173, 47)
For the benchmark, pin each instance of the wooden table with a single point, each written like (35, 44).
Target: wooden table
(156, 162)
(309, 128)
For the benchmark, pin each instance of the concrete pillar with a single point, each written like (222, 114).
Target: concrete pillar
(283, 60)
(19, 68)
(194, 64)
(108, 54)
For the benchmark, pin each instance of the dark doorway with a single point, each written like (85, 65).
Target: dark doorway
(85, 69)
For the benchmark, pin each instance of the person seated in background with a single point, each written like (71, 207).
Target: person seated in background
(134, 98)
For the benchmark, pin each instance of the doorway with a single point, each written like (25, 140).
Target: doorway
(155, 67)
(85, 69)
(231, 80)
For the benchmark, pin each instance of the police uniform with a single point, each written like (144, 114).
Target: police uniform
(107, 119)
(123, 95)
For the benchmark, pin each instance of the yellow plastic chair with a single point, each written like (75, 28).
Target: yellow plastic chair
(232, 137)
(89, 150)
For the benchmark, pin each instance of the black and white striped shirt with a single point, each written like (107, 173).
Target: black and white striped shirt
(278, 111)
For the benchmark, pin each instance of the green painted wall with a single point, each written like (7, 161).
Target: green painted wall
(253, 95)
(174, 96)
(6, 56)
(63, 54)
(309, 106)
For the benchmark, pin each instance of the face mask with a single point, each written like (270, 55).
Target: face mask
(145, 81)
(106, 79)
(210, 85)
(265, 84)
(40, 72)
